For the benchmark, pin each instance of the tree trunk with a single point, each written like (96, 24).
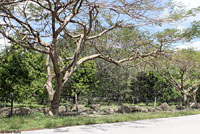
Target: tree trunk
(11, 105)
(119, 96)
(186, 101)
(5, 101)
(55, 105)
(76, 102)
(195, 98)
(133, 99)
(194, 95)
(56, 96)
(155, 102)
(41, 101)
(89, 100)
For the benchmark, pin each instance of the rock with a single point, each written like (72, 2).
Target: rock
(93, 112)
(4, 111)
(135, 109)
(73, 108)
(62, 109)
(164, 107)
(132, 109)
(46, 111)
(40, 110)
(124, 109)
(81, 108)
(50, 113)
(96, 107)
(33, 110)
(120, 110)
(89, 111)
(198, 106)
(158, 109)
(84, 114)
(115, 110)
(143, 109)
(108, 110)
(150, 109)
(22, 111)
(71, 113)
(179, 107)
(194, 106)
(37, 110)
(138, 109)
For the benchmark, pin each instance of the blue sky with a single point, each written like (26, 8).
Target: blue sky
(180, 25)
(184, 24)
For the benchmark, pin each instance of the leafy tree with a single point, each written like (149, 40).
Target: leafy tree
(76, 20)
(14, 75)
(113, 82)
(22, 75)
(148, 86)
(181, 70)
(83, 82)
(35, 63)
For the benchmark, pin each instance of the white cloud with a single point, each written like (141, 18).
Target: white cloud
(189, 3)
(180, 28)
(195, 45)
(4, 43)
(182, 25)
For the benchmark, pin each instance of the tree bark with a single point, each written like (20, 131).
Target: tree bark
(11, 105)
(76, 102)
(195, 98)
(186, 101)
(56, 96)
(155, 102)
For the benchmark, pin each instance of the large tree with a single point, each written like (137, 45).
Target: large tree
(149, 87)
(181, 69)
(22, 74)
(39, 24)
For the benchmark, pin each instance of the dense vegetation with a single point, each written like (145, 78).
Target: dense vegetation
(79, 51)
(22, 75)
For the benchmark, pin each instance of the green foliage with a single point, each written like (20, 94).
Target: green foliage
(179, 12)
(148, 85)
(186, 62)
(83, 81)
(14, 75)
(193, 31)
(113, 82)
(36, 65)
(22, 74)
(167, 34)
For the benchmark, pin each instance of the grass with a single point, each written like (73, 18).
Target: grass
(33, 105)
(38, 120)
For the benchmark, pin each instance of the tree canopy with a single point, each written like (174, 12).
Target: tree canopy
(69, 33)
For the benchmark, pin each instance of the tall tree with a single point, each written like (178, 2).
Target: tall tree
(150, 87)
(22, 74)
(14, 75)
(40, 23)
(82, 82)
(181, 70)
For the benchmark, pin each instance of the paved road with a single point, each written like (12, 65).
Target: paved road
(174, 125)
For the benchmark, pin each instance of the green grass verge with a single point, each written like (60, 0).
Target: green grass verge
(38, 120)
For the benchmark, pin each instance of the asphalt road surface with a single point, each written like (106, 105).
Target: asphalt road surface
(174, 125)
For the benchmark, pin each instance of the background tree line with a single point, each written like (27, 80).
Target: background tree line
(64, 49)
(23, 75)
